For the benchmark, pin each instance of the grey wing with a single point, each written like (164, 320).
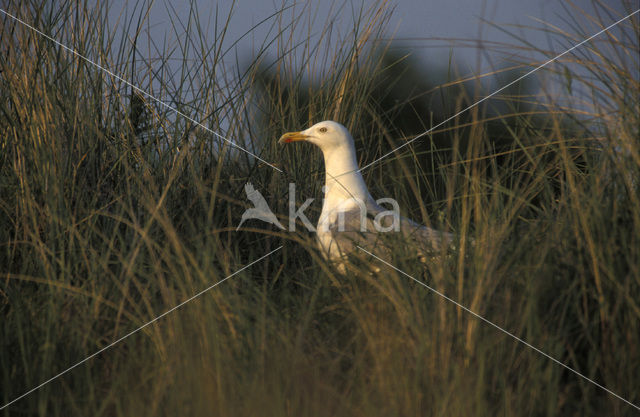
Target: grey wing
(422, 236)
(426, 237)
(351, 228)
(380, 234)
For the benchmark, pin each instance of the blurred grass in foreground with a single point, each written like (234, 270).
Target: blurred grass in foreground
(114, 210)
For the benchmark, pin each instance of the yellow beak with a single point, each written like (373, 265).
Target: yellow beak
(292, 137)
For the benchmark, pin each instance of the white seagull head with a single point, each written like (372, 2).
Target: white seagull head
(327, 135)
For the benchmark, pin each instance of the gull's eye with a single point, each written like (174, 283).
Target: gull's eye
(322, 130)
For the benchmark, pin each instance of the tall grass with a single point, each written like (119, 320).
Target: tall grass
(115, 210)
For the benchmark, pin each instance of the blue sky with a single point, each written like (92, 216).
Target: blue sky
(424, 29)
(420, 26)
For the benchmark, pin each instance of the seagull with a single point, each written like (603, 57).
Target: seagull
(350, 216)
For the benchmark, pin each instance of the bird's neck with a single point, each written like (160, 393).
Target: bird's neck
(343, 180)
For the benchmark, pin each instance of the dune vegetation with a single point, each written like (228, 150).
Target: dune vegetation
(114, 209)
